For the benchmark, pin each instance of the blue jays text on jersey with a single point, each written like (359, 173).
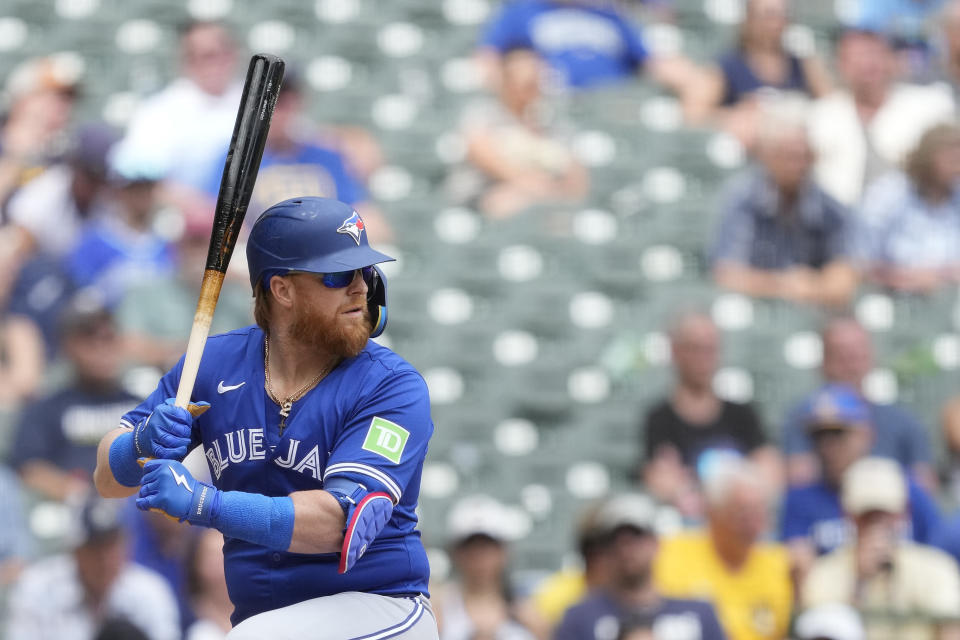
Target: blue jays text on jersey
(368, 420)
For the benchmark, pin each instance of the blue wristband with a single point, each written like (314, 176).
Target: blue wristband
(123, 461)
(255, 518)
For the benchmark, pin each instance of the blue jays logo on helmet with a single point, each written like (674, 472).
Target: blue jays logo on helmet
(353, 227)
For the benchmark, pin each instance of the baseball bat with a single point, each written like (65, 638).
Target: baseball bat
(260, 91)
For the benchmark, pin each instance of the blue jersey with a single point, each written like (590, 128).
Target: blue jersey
(815, 512)
(368, 420)
(589, 45)
(305, 168)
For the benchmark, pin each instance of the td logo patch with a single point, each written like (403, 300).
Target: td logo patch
(386, 439)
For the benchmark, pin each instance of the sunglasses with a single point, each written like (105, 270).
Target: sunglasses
(341, 279)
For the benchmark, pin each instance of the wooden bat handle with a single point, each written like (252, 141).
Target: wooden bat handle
(207, 302)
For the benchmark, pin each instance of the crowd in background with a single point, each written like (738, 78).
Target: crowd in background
(839, 522)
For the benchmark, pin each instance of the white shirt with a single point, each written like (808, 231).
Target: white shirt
(183, 130)
(47, 603)
(45, 208)
(838, 139)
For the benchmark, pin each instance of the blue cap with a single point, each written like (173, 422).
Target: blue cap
(836, 406)
(319, 235)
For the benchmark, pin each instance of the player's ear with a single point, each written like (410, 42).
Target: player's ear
(283, 290)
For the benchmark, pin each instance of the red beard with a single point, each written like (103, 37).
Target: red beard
(340, 336)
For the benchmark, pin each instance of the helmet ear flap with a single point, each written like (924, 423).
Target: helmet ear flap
(377, 303)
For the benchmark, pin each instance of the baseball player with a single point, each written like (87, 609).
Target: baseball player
(315, 439)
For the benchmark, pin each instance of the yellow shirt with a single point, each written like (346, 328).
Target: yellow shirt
(752, 603)
(558, 592)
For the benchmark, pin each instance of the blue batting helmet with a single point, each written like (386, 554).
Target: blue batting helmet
(318, 235)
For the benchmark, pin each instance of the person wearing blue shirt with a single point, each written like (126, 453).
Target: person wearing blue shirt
(588, 44)
(315, 441)
(812, 518)
(293, 164)
(848, 356)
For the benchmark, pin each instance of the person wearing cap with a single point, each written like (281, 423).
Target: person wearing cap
(55, 442)
(727, 562)
(904, 590)
(122, 248)
(479, 601)
(848, 357)
(564, 588)
(812, 517)
(314, 435)
(294, 162)
(830, 621)
(629, 523)
(72, 595)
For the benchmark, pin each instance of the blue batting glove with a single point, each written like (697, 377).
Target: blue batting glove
(169, 488)
(166, 432)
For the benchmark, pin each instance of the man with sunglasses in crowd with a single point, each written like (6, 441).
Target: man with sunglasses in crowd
(315, 438)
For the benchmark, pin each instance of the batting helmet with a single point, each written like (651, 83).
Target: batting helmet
(318, 235)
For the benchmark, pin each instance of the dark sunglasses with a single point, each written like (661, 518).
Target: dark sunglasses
(341, 279)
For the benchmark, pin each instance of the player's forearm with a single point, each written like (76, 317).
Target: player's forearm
(103, 477)
(318, 524)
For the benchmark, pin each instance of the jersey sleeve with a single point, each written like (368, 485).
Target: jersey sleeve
(384, 443)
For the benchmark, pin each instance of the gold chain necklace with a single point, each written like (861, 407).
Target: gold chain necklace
(287, 403)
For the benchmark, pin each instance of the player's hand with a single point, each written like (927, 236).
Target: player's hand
(169, 488)
(166, 432)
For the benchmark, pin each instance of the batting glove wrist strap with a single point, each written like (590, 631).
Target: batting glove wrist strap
(123, 460)
(256, 518)
(205, 504)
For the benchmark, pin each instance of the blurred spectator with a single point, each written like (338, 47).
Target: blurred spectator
(122, 249)
(813, 521)
(692, 420)
(904, 23)
(555, 594)
(55, 447)
(587, 44)
(478, 603)
(155, 316)
(950, 420)
(70, 596)
(630, 528)
(164, 545)
(515, 157)
(897, 434)
(779, 235)
(758, 66)
(866, 128)
(831, 621)
(22, 359)
(294, 165)
(42, 94)
(184, 128)
(54, 208)
(949, 44)
(909, 221)
(16, 544)
(748, 581)
(208, 588)
(878, 571)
